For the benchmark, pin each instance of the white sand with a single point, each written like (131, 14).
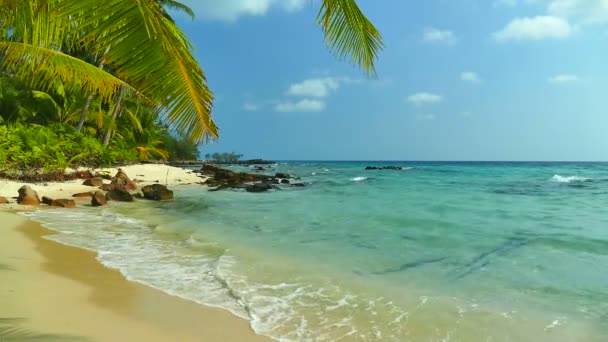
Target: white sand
(148, 173)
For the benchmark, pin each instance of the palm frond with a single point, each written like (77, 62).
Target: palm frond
(151, 53)
(40, 67)
(349, 34)
(178, 6)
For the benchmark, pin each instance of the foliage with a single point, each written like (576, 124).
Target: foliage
(179, 149)
(87, 82)
(50, 147)
(224, 158)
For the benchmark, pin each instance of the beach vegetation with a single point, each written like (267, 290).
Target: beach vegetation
(84, 82)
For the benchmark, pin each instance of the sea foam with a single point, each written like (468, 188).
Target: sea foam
(570, 179)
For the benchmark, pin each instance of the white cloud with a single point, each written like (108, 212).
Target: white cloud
(535, 28)
(315, 87)
(231, 10)
(423, 98)
(585, 11)
(250, 107)
(563, 78)
(469, 76)
(305, 105)
(434, 35)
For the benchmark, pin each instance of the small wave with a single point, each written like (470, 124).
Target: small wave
(570, 179)
(358, 179)
(406, 168)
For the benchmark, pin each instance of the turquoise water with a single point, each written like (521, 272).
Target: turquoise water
(432, 252)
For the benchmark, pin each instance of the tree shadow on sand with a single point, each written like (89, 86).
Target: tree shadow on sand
(11, 329)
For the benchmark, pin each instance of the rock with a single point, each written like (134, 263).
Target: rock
(282, 175)
(298, 184)
(226, 179)
(285, 181)
(95, 181)
(122, 181)
(27, 196)
(46, 200)
(4, 200)
(390, 167)
(99, 199)
(258, 187)
(62, 203)
(83, 195)
(120, 195)
(157, 192)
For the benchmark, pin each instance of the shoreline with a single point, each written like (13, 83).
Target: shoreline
(60, 289)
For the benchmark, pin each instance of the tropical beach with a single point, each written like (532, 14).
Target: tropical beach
(441, 177)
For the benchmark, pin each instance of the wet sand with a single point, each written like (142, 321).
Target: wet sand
(63, 290)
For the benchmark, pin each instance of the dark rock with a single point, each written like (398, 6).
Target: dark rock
(285, 181)
(95, 181)
(258, 187)
(108, 187)
(120, 195)
(4, 200)
(62, 203)
(390, 167)
(226, 179)
(157, 192)
(282, 175)
(83, 195)
(46, 200)
(298, 184)
(122, 181)
(99, 199)
(27, 196)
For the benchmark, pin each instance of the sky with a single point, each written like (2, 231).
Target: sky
(457, 80)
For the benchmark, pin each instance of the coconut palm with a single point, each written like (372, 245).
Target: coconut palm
(143, 51)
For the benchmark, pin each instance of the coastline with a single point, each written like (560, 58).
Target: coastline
(64, 290)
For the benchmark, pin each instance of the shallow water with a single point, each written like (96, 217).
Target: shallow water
(432, 252)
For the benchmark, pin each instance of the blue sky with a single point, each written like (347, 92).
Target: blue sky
(458, 80)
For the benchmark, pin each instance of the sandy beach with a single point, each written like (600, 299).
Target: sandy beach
(63, 290)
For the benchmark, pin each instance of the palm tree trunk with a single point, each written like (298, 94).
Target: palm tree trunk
(87, 104)
(85, 110)
(115, 113)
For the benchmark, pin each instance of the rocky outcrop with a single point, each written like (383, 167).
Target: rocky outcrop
(259, 187)
(27, 196)
(223, 179)
(83, 195)
(384, 168)
(99, 199)
(122, 181)
(61, 203)
(230, 179)
(119, 195)
(95, 181)
(4, 200)
(157, 192)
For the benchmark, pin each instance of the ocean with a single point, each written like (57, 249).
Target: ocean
(433, 251)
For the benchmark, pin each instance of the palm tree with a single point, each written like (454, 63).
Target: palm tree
(146, 55)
